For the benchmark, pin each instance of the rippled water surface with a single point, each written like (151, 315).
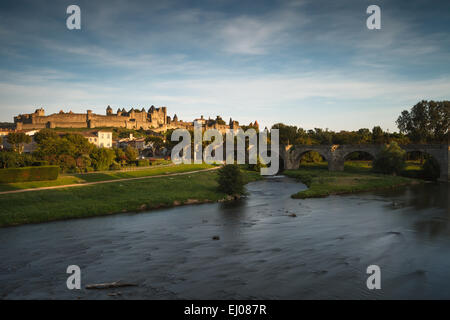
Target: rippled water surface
(263, 251)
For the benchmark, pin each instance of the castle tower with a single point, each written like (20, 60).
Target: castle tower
(109, 111)
(175, 118)
(164, 110)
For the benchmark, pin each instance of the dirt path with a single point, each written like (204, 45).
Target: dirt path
(108, 181)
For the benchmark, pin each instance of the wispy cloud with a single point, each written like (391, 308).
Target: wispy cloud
(303, 62)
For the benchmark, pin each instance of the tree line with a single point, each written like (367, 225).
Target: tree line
(71, 151)
(426, 122)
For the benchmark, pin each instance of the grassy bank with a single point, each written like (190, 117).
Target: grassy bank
(104, 199)
(103, 176)
(356, 177)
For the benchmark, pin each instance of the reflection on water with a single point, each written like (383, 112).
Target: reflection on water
(264, 250)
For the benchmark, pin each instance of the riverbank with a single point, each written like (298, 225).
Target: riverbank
(115, 197)
(101, 176)
(355, 178)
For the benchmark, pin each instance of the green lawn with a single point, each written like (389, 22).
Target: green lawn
(356, 177)
(104, 176)
(109, 198)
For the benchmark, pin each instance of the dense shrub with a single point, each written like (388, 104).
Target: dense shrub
(84, 163)
(102, 158)
(131, 153)
(431, 169)
(39, 163)
(11, 159)
(231, 180)
(29, 174)
(143, 163)
(311, 156)
(256, 167)
(45, 134)
(115, 166)
(67, 163)
(391, 160)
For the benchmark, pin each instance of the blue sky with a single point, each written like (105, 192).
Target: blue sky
(306, 63)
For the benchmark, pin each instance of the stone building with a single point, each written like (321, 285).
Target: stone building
(132, 119)
(154, 118)
(101, 138)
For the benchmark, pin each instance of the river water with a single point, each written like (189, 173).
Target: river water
(263, 252)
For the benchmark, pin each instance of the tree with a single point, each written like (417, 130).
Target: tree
(121, 158)
(428, 121)
(378, 135)
(288, 134)
(431, 169)
(231, 180)
(311, 156)
(83, 163)
(364, 136)
(18, 140)
(45, 134)
(102, 158)
(169, 143)
(157, 143)
(11, 159)
(131, 153)
(391, 160)
(67, 163)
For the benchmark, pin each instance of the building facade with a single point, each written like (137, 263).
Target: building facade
(154, 118)
(132, 119)
(102, 139)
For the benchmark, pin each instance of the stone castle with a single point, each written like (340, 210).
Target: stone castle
(155, 119)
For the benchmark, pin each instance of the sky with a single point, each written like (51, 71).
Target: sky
(309, 63)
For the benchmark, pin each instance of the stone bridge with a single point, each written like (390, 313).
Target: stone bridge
(336, 154)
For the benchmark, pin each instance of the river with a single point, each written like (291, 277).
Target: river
(263, 252)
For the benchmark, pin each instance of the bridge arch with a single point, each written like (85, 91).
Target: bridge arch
(303, 153)
(436, 154)
(371, 153)
(299, 151)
